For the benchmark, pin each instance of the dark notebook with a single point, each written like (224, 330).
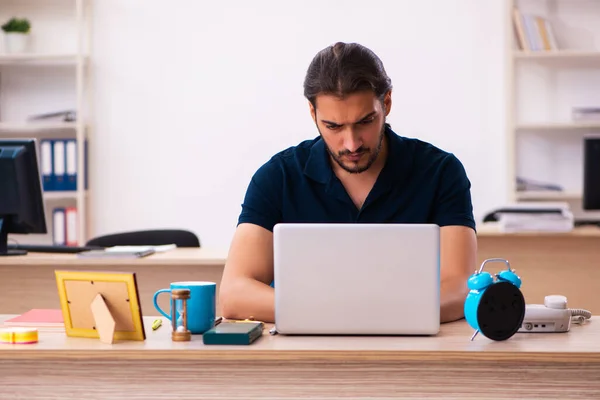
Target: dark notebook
(238, 333)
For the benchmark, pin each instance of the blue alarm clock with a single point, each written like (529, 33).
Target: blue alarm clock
(495, 305)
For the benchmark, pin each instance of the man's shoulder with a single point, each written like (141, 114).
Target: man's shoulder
(426, 156)
(425, 152)
(293, 157)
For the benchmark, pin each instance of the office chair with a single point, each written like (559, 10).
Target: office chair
(181, 238)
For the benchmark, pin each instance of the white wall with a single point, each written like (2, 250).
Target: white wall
(191, 97)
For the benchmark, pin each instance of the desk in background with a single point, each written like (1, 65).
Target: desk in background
(549, 263)
(28, 281)
(448, 366)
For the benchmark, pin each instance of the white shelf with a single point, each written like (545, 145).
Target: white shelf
(562, 58)
(39, 59)
(28, 127)
(52, 75)
(547, 195)
(61, 195)
(544, 143)
(557, 54)
(559, 126)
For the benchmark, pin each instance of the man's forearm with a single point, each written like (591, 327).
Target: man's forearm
(452, 298)
(248, 298)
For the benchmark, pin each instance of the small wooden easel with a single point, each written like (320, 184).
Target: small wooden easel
(105, 322)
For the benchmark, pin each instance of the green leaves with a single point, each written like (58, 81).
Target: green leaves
(20, 25)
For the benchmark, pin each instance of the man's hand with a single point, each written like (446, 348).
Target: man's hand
(458, 262)
(245, 289)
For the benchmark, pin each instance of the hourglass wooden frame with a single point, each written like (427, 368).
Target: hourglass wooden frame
(177, 335)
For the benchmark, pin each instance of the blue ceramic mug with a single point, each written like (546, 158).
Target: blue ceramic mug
(201, 306)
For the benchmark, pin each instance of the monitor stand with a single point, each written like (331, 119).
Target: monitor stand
(4, 251)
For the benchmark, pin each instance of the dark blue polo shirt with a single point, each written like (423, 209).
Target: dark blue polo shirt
(419, 183)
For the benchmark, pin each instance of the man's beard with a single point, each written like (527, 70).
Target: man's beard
(356, 168)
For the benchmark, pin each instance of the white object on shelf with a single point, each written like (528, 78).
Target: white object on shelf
(540, 217)
(129, 249)
(16, 43)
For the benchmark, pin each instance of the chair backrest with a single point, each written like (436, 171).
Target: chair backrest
(181, 238)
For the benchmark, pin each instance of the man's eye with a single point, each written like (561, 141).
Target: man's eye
(332, 127)
(367, 121)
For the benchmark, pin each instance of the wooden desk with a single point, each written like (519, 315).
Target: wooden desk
(565, 263)
(549, 263)
(28, 282)
(449, 366)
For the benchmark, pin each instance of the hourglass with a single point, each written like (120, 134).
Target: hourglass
(179, 320)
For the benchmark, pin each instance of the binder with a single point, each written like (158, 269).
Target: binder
(46, 161)
(71, 164)
(59, 164)
(72, 236)
(59, 158)
(59, 226)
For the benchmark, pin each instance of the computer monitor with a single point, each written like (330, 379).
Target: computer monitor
(21, 198)
(591, 172)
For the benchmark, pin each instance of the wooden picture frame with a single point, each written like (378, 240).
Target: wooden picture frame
(103, 305)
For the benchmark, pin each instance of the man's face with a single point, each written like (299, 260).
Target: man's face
(352, 128)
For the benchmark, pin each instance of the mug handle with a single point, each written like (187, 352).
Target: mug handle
(156, 303)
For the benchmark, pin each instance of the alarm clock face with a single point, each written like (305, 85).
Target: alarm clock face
(501, 311)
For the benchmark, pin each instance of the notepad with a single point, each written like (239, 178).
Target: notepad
(129, 249)
(115, 254)
(38, 317)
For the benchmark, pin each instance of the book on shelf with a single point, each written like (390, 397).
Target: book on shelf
(59, 167)
(534, 33)
(585, 113)
(64, 226)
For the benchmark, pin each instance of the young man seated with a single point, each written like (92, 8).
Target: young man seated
(357, 170)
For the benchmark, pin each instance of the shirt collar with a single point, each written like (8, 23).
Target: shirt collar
(317, 166)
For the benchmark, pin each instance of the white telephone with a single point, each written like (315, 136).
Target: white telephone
(552, 316)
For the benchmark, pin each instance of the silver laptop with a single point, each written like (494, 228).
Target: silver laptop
(357, 279)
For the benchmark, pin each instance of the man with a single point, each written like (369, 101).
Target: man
(356, 170)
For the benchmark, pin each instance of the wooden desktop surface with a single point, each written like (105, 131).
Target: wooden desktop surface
(449, 366)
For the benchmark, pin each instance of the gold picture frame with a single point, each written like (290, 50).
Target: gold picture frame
(98, 304)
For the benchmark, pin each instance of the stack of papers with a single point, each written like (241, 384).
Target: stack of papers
(42, 319)
(131, 249)
(126, 251)
(536, 217)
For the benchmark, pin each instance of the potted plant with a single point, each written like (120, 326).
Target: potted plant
(16, 35)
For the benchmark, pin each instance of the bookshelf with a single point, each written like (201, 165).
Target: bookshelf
(52, 75)
(553, 66)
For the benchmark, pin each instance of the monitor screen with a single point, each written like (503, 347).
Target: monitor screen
(591, 172)
(21, 198)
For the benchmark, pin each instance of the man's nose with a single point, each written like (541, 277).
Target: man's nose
(352, 142)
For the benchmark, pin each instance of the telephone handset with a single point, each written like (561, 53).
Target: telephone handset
(552, 316)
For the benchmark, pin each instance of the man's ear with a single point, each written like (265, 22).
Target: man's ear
(387, 102)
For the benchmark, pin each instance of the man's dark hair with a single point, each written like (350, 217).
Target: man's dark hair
(343, 69)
